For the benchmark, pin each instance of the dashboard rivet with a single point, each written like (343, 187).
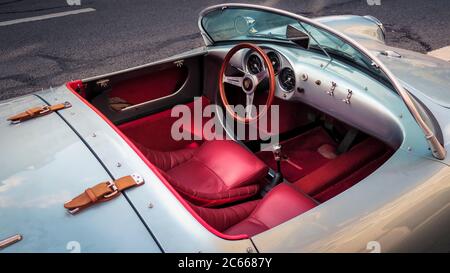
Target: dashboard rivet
(150, 205)
(249, 250)
(284, 95)
(400, 116)
(300, 90)
(304, 77)
(366, 88)
(321, 65)
(118, 165)
(318, 82)
(94, 135)
(409, 149)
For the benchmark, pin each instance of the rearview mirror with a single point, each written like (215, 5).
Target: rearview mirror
(297, 36)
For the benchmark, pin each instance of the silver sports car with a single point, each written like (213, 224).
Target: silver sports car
(339, 145)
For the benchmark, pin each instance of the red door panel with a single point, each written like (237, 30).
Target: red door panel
(149, 87)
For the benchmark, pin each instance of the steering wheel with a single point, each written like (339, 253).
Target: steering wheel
(248, 83)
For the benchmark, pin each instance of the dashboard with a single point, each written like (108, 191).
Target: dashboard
(329, 85)
(284, 72)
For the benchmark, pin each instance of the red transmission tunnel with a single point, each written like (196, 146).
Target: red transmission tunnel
(302, 154)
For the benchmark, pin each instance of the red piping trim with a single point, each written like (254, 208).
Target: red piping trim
(154, 169)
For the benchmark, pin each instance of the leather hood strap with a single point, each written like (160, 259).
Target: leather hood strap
(102, 192)
(38, 112)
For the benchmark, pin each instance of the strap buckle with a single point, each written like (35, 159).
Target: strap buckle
(44, 110)
(38, 112)
(102, 192)
(113, 187)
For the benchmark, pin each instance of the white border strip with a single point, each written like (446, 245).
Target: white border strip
(44, 17)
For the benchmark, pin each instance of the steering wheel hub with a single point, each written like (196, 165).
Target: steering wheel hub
(247, 84)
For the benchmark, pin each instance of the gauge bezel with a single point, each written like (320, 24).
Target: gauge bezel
(280, 66)
(281, 84)
(247, 59)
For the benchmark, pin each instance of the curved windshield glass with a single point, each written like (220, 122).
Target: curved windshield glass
(241, 23)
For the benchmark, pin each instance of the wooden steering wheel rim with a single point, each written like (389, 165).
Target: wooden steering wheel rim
(270, 75)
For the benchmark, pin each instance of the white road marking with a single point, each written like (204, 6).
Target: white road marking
(441, 53)
(44, 17)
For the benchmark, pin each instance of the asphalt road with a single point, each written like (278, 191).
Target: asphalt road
(122, 34)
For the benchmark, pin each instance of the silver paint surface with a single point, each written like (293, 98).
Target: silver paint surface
(43, 165)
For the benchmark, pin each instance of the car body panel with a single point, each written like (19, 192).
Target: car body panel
(400, 207)
(170, 222)
(403, 205)
(44, 164)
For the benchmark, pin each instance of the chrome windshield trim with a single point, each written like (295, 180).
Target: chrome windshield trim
(437, 149)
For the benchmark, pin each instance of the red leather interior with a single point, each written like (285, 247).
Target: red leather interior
(281, 204)
(217, 172)
(353, 178)
(342, 167)
(223, 218)
(302, 154)
(149, 87)
(154, 131)
(251, 217)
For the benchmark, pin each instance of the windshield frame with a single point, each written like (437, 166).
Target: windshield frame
(437, 148)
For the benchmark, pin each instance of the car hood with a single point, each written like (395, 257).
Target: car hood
(425, 74)
(43, 164)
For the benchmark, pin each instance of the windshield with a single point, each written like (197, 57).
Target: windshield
(251, 24)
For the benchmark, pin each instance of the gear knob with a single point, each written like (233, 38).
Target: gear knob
(277, 152)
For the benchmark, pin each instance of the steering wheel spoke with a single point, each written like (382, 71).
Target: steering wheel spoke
(236, 81)
(261, 76)
(249, 105)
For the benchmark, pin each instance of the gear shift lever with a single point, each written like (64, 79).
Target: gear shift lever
(278, 177)
(278, 157)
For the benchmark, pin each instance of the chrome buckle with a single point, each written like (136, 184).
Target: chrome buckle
(44, 110)
(113, 187)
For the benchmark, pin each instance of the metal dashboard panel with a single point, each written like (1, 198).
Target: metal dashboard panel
(373, 108)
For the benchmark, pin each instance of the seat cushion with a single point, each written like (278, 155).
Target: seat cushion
(223, 218)
(218, 172)
(281, 204)
(341, 167)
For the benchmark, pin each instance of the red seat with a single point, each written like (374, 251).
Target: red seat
(217, 172)
(281, 204)
(341, 167)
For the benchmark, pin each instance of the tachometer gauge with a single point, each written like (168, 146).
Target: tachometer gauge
(254, 64)
(287, 79)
